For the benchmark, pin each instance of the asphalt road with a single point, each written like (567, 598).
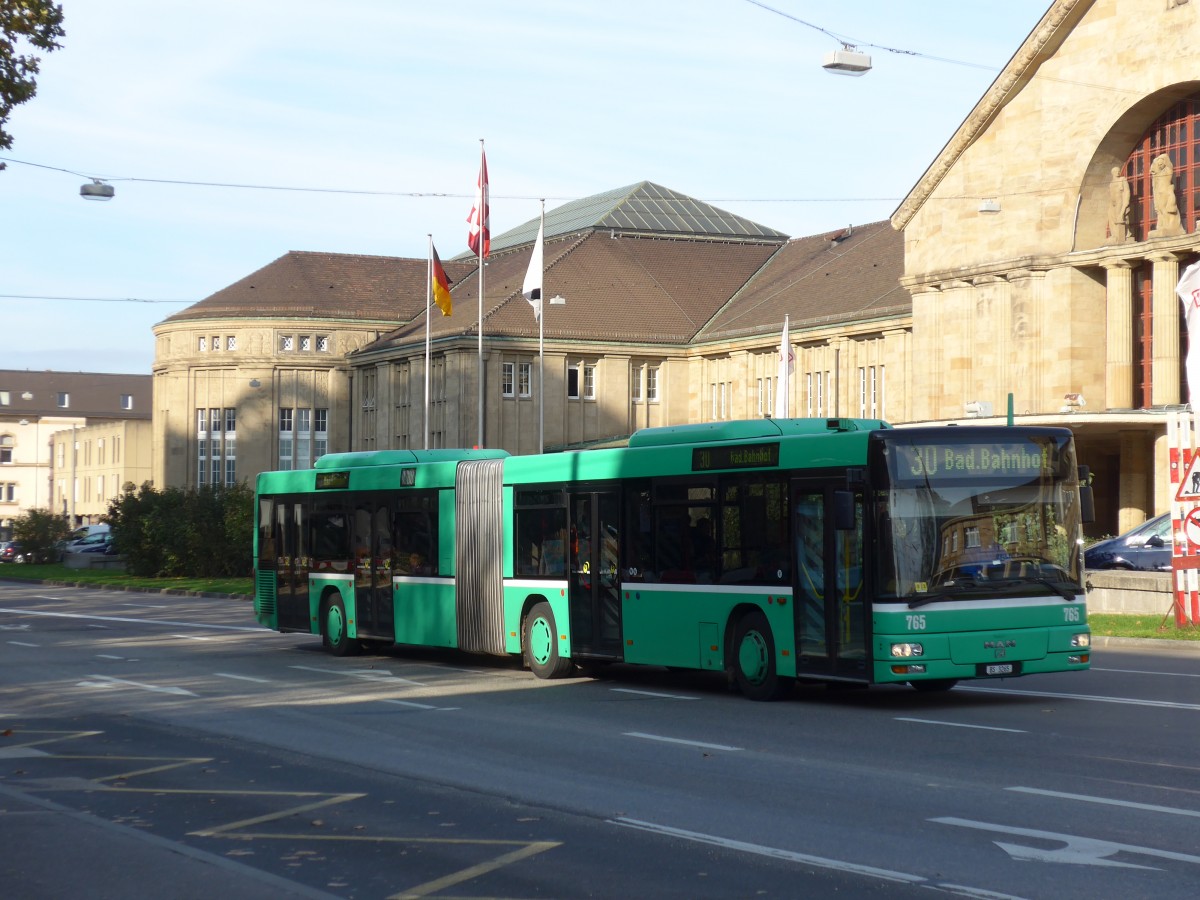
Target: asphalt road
(168, 747)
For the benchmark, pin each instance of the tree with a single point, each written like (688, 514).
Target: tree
(38, 531)
(34, 22)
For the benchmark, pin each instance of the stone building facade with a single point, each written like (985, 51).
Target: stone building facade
(41, 410)
(1044, 244)
(1031, 268)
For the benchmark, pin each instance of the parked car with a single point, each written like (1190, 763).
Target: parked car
(80, 538)
(1146, 547)
(10, 551)
(98, 542)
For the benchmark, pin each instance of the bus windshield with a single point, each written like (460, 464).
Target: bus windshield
(977, 513)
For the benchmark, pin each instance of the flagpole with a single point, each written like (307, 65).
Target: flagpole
(428, 306)
(541, 345)
(483, 213)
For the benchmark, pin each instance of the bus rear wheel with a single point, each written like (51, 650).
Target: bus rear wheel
(539, 643)
(753, 659)
(335, 628)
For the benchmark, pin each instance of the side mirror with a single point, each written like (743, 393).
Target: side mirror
(1087, 503)
(843, 510)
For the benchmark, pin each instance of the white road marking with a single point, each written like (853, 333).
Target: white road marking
(808, 859)
(1078, 850)
(191, 637)
(669, 740)
(107, 656)
(175, 623)
(242, 677)
(651, 694)
(365, 674)
(411, 705)
(1095, 698)
(23, 644)
(106, 681)
(1128, 804)
(1143, 672)
(959, 725)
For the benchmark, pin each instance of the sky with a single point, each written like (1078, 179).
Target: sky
(234, 131)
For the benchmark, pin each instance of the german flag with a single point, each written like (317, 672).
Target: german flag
(441, 285)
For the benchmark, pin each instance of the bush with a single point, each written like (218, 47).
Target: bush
(198, 532)
(38, 531)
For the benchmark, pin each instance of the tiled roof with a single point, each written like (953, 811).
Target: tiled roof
(643, 208)
(843, 276)
(326, 286)
(94, 395)
(623, 288)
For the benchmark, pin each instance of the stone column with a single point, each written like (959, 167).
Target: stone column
(1133, 492)
(1118, 366)
(1165, 372)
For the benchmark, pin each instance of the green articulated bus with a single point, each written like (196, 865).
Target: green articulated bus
(836, 550)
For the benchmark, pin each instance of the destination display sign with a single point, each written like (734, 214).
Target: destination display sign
(1021, 460)
(741, 456)
(333, 481)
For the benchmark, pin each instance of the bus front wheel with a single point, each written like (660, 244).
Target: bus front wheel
(335, 629)
(539, 639)
(753, 659)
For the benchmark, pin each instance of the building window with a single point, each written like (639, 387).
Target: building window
(286, 343)
(322, 343)
(525, 379)
(635, 384)
(573, 383)
(64, 400)
(127, 401)
(4, 398)
(306, 343)
(285, 438)
(6, 449)
(8, 492)
(216, 343)
(320, 433)
(303, 438)
(506, 379)
(231, 342)
(652, 384)
(589, 382)
(202, 344)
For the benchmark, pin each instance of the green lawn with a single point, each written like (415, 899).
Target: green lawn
(108, 577)
(1148, 626)
(1106, 625)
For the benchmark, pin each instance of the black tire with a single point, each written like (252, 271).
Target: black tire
(335, 628)
(539, 643)
(752, 658)
(933, 686)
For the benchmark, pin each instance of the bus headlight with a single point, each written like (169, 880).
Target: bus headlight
(1081, 640)
(907, 649)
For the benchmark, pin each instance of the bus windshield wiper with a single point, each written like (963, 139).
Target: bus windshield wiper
(947, 590)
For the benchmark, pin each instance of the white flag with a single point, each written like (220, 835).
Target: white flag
(532, 288)
(787, 363)
(1188, 290)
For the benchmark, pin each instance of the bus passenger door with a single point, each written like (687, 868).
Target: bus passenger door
(291, 565)
(373, 551)
(594, 581)
(828, 590)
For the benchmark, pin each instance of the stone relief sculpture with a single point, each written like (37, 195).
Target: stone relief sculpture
(1162, 185)
(1118, 208)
